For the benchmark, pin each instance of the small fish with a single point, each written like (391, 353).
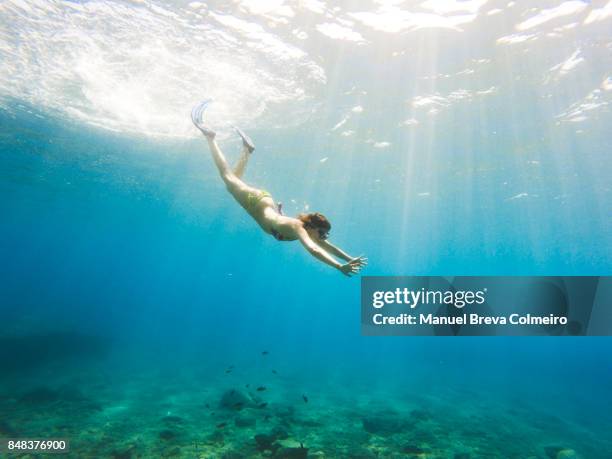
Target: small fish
(261, 388)
(238, 405)
(263, 405)
(207, 405)
(305, 398)
(264, 353)
(228, 371)
(275, 372)
(247, 385)
(221, 425)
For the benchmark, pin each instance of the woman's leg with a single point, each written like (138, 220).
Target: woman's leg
(220, 161)
(242, 162)
(247, 148)
(237, 188)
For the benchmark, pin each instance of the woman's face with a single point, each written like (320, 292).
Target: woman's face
(319, 234)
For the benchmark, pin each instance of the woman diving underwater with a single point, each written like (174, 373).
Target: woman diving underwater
(311, 229)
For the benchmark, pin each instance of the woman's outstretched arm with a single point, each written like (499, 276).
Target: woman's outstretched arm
(336, 251)
(348, 269)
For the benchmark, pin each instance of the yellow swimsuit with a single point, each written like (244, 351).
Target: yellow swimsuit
(254, 198)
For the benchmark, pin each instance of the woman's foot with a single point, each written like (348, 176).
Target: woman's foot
(196, 116)
(246, 140)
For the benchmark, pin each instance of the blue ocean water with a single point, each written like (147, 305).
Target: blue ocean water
(444, 138)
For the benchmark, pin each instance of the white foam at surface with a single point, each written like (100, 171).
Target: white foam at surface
(425, 101)
(569, 64)
(392, 19)
(453, 6)
(338, 32)
(599, 14)
(340, 123)
(410, 122)
(271, 9)
(141, 67)
(585, 108)
(435, 103)
(544, 16)
(314, 6)
(515, 38)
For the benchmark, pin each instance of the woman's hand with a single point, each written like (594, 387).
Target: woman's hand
(353, 266)
(361, 260)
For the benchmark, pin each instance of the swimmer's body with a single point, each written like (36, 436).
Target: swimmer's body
(311, 229)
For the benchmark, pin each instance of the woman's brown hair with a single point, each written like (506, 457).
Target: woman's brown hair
(315, 221)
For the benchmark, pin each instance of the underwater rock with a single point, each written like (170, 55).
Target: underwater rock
(560, 452)
(567, 454)
(551, 451)
(266, 442)
(383, 425)
(279, 433)
(291, 453)
(245, 421)
(234, 399)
